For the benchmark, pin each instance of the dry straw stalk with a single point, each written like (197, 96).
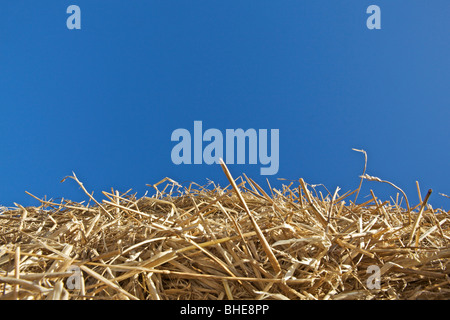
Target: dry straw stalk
(208, 242)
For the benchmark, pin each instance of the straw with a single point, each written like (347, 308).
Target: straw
(239, 242)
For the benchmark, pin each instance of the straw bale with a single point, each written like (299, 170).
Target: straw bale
(236, 242)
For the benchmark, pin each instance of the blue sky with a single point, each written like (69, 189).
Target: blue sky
(103, 101)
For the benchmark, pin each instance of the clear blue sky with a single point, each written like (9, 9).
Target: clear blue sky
(103, 101)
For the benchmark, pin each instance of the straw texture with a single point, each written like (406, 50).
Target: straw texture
(207, 242)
